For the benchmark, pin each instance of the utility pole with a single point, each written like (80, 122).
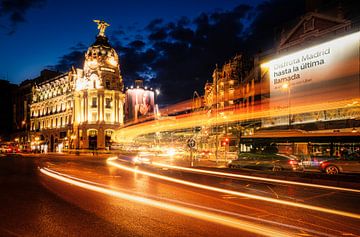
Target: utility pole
(217, 107)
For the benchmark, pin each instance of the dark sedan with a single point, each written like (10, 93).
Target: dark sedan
(349, 164)
(275, 162)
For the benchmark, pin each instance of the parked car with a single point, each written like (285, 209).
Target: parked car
(274, 162)
(350, 164)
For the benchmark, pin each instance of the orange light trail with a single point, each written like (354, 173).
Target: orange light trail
(170, 123)
(255, 178)
(111, 162)
(207, 216)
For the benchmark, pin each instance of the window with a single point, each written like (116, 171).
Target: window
(107, 84)
(308, 25)
(108, 103)
(94, 102)
(94, 116)
(107, 117)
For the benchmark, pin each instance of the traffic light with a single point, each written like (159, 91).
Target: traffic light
(225, 141)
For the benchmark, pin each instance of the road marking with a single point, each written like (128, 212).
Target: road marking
(111, 162)
(254, 178)
(318, 196)
(277, 196)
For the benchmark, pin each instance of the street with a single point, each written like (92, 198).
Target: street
(110, 201)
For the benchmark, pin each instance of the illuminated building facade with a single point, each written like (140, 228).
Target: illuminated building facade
(317, 60)
(81, 108)
(229, 84)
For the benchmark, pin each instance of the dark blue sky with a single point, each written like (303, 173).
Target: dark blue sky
(49, 29)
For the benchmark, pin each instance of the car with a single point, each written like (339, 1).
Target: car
(274, 162)
(142, 159)
(348, 164)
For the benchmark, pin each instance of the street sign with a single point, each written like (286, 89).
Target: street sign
(191, 143)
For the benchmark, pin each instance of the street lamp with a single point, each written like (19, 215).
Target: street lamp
(286, 86)
(217, 111)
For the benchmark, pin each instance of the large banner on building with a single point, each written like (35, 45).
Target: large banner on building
(323, 73)
(139, 103)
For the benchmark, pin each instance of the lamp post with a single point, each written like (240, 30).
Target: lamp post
(217, 108)
(195, 99)
(156, 109)
(286, 86)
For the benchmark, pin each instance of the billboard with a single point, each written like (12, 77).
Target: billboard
(323, 73)
(139, 103)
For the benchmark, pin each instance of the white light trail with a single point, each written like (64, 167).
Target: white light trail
(207, 216)
(111, 162)
(254, 178)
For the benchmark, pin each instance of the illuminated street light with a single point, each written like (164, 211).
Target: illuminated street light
(157, 91)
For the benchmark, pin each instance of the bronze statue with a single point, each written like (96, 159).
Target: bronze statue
(101, 26)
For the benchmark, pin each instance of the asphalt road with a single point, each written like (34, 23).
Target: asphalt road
(35, 204)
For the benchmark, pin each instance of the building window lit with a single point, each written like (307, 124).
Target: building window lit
(94, 102)
(108, 103)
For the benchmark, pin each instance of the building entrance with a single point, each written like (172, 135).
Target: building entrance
(92, 137)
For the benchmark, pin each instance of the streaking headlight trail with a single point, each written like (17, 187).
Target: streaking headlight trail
(255, 178)
(207, 216)
(111, 162)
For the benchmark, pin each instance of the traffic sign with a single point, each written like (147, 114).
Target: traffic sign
(191, 143)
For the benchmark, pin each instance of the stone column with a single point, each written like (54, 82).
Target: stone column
(99, 106)
(101, 138)
(102, 107)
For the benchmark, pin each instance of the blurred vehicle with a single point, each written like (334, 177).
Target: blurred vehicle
(13, 149)
(9, 149)
(142, 158)
(203, 155)
(3, 148)
(274, 162)
(350, 164)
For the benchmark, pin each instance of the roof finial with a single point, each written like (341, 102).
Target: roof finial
(101, 27)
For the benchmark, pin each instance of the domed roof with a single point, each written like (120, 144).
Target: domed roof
(101, 41)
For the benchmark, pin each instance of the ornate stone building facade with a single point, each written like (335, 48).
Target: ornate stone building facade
(231, 85)
(80, 109)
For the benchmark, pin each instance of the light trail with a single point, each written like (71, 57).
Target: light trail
(127, 134)
(254, 178)
(110, 161)
(207, 216)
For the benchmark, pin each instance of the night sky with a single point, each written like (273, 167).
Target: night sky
(173, 45)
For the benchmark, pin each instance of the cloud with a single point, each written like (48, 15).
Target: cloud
(74, 58)
(179, 56)
(14, 12)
